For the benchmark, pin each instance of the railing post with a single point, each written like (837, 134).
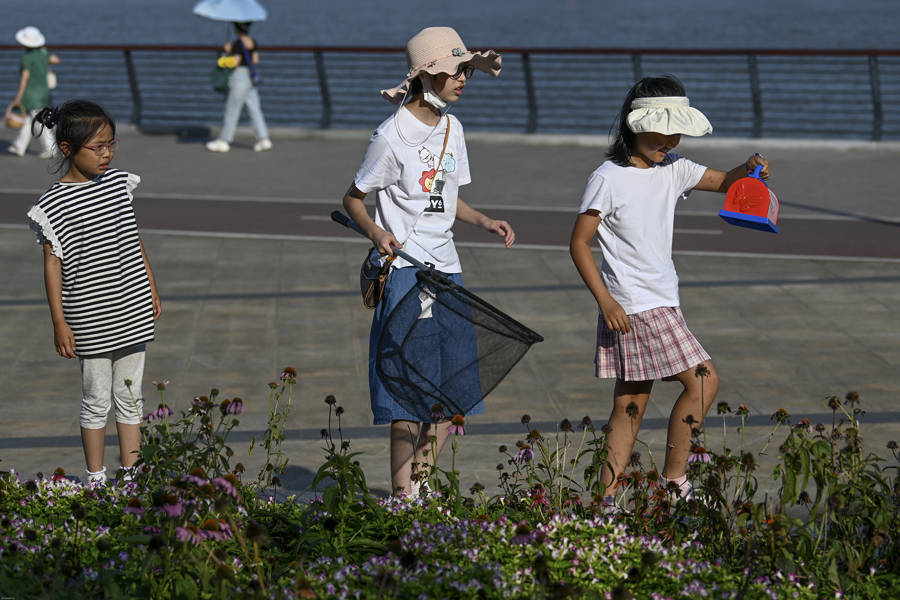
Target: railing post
(136, 104)
(323, 89)
(877, 109)
(529, 92)
(637, 67)
(756, 93)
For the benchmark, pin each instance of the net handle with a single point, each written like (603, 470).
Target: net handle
(339, 217)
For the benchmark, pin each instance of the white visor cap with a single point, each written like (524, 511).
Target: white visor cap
(667, 115)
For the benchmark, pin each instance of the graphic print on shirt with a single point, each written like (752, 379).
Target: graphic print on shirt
(432, 179)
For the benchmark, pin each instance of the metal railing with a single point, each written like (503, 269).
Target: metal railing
(744, 92)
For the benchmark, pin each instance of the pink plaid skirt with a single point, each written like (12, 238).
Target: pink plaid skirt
(659, 345)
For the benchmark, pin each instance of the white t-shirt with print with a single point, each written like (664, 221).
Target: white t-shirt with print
(399, 166)
(637, 210)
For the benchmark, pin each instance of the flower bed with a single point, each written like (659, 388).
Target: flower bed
(190, 527)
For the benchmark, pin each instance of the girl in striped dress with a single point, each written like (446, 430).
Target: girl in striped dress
(101, 290)
(629, 204)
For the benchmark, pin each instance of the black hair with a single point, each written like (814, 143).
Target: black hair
(74, 122)
(243, 27)
(622, 148)
(415, 86)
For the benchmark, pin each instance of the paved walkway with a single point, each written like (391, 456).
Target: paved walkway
(242, 299)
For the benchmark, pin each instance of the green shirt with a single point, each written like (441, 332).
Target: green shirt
(37, 94)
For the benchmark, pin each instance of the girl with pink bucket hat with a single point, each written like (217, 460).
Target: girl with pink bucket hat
(415, 163)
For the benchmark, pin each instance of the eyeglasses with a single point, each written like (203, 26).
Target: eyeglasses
(99, 148)
(466, 69)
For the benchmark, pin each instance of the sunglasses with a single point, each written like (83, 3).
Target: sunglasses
(465, 69)
(99, 148)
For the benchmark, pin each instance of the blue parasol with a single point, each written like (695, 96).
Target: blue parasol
(236, 11)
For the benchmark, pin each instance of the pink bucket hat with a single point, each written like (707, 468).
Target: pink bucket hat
(440, 50)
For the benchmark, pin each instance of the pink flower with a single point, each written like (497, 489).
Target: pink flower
(457, 424)
(525, 454)
(173, 510)
(236, 407)
(698, 454)
(213, 529)
(134, 507)
(226, 486)
(189, 534)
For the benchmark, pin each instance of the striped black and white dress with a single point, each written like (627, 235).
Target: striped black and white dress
(92, 229)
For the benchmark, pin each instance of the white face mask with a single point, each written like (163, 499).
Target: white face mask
(429, 94)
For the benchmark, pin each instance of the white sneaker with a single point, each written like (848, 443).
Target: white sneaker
(262, 145)
(218, 146)
(13, 150)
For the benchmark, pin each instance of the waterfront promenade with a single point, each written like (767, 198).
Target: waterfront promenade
(255, 277)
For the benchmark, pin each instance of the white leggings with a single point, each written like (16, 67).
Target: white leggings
(103, 378)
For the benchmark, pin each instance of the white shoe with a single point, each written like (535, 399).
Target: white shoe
(48, 154)
(13, 150)
(262, 145)
(97, 477)
(218, 146)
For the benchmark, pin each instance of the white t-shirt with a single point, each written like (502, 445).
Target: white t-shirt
(637, 210)
(400, 168)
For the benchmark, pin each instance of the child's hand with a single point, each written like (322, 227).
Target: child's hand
(385, 242)
(64, 341)
(615, 316)
(757, 160)
(501, 228)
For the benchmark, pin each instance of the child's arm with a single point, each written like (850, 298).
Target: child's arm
(353, 204)
(719, 181)
(157, 304)
(580, 250)
(62, 333)
(467, 214)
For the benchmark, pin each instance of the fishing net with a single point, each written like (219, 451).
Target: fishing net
(443, 345)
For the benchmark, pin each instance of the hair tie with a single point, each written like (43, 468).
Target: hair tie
(51, 117)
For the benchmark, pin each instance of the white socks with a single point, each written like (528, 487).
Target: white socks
(96, 477)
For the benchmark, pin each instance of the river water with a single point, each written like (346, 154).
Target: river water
(543, 23)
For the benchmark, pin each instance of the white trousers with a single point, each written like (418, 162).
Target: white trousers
(22, 141)
(114, 377)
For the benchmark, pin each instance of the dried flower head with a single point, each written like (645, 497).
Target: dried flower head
(526, 419)
(565, 425)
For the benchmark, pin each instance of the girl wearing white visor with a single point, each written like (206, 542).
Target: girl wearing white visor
(629, 203)
(415, 164)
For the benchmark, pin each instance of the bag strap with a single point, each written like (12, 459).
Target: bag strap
(249, 61)
(444, 147)
(440, 162)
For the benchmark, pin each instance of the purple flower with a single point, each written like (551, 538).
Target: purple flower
(173, 510)
(161, 385)
(189, 534)
(457, 425)
(214, 529)
(523, 533)
(236, 407)
(226, 486)
(525, 454)
(437, 413)
(698, 454)
(134, 506)
(198, 481)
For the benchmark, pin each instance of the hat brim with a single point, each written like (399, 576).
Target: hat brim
(683, 120)
(30, 41)
(487, 61)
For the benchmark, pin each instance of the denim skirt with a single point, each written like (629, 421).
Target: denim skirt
(386, 408)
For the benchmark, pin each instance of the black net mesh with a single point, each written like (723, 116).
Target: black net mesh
(443, 345)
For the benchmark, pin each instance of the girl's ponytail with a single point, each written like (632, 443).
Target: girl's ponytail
(47, 117)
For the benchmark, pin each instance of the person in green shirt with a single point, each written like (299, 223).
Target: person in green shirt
(33, 93)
